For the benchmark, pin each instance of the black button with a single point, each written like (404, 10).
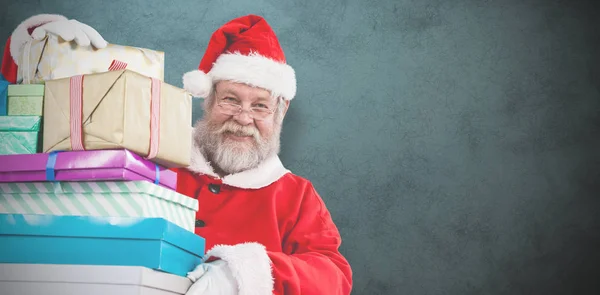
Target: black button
(214, 188)
(200, 223)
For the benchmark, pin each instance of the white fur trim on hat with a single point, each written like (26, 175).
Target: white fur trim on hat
(250, 265)
(20, 35)
(256, 70)
(197, 83)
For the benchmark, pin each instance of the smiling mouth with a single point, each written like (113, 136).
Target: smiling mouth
(238, 136)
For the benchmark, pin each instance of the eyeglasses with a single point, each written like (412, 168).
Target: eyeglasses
(257, 113)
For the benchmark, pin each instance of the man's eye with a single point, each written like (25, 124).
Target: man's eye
(229, 98)
(262, 106)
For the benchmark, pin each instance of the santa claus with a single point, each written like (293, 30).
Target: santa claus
(267, 230)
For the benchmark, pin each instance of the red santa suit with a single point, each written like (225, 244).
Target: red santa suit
(270, 225)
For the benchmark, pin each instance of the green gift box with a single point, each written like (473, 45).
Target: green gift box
(20, 134)
(26, 90)
(25, 105)
(25, 99)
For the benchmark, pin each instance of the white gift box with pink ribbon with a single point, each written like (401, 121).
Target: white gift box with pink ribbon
(119, 109)
(54, 58)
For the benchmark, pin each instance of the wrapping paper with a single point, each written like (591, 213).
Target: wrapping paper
(53, 58)
(25, 105)
(19, 134)
(116, 113)
(105, 165)
(86, 240)
(107, 199)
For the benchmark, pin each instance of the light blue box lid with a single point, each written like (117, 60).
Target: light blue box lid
(102, 227)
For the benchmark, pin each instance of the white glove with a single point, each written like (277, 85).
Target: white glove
(69, 30)
(212, 278)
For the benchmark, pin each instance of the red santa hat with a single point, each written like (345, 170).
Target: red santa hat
(17, 40)
(243, 50)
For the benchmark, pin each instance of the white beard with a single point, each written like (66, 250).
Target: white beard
(231, 156)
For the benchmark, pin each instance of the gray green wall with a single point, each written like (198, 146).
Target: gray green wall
(456, 143)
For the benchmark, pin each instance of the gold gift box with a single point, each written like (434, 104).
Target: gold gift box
(116, 114)
(54, 58)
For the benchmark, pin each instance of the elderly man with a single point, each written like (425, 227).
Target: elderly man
(271, 231)
(267, 229)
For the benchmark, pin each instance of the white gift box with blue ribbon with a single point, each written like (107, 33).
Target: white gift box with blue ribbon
(154, 243)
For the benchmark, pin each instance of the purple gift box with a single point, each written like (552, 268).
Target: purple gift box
(96, 165)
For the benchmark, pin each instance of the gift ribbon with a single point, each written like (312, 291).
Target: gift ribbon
(154, 118)
(117, 65)
(25, 75)
(76, 111)
(50, 165)
(157, 176)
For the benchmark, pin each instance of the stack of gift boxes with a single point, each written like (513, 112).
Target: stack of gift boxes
(88, 201)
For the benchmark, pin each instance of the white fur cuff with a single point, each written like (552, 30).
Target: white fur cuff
(250, 265)
(20, 35)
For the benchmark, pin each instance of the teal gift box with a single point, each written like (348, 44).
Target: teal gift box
(20, 134)
(154, 243)
(3, 96)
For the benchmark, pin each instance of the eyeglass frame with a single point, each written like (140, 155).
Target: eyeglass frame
(251, 112)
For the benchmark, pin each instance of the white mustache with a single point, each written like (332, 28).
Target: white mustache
(239, 130)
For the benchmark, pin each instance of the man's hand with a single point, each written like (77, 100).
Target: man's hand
(69, 30)
(212, 278)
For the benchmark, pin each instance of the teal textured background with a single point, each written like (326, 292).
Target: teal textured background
(456, 143)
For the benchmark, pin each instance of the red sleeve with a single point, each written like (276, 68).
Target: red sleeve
(311, 262)
(9, 68)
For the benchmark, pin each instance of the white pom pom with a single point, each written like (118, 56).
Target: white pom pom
(197, 83)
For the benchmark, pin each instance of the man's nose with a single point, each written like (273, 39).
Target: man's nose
(243, 118)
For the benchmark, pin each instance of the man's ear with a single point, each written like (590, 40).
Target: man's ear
(287, 105)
